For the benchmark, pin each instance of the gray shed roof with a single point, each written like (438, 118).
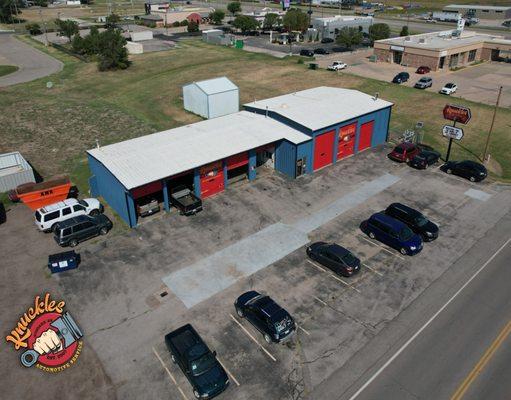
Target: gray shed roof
(215, 85)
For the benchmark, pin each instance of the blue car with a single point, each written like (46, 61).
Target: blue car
(393, 233)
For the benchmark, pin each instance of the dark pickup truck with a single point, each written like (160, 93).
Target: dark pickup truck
(185, 201)
(197, 361)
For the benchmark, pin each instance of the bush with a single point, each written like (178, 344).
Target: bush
(112, 52)
(175, 24)
(300, 61)
(193, 26)
(404, 31)
(33, 29)
(184, 22)
(77, 44)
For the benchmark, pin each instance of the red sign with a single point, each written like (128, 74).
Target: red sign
(457, 113)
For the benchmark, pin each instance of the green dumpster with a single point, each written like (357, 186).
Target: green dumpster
(313, 66)
(238, 44)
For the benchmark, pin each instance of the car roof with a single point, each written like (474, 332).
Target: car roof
(385, 219)
(58, 205)
(405, 208)
(473, 164)
(73, 221)
(406, 145)
(337, 250)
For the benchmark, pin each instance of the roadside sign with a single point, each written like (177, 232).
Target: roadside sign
(457, 113)
(452, 132)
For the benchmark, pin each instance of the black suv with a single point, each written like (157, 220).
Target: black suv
(334, 257)
(467, 169)
(321, 51)
(401, 77)
(260, 310)
(415, 220)
(77, 229)
(307, 53)
(424, 159)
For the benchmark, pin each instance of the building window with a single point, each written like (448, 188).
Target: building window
(498, 11)
(453, 61)
(486, 11)
(472, 55)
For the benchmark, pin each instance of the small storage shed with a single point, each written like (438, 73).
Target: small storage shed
(211, 98)
(14, 171)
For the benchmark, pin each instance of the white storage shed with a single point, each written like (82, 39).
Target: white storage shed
(211, 98)
(14, 171)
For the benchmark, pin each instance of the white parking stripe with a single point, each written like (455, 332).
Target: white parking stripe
(317, 266)
(380, 246)
(228, 372)
(321, 301)
(307, 333)
(372, 269)
(253, 338)
(334, 276)
(170, 374)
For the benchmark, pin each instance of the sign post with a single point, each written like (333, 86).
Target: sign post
(456, 114)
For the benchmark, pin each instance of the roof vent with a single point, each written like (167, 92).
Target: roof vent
(97, 143)
(422, 40)
(376, 95)
(408, 38)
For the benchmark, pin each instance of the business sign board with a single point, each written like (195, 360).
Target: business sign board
(452, 132)
(397, 48)
(457, 113)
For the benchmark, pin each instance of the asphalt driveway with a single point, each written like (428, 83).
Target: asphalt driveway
(32, 63)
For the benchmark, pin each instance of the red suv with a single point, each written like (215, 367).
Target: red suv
(404, 152)
(423, 70)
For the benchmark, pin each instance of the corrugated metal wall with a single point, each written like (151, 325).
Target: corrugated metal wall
(285, 158)
(14, 171)
(195, 100)
(223, 103)
(305, 150)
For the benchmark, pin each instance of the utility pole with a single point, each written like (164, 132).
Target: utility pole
(44, 28)
(491, 126)
(408, 14)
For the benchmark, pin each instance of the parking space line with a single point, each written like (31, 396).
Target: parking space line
(170, 374)
(321, 301)
(381, 247)
(253, 338)
(372, 269)
(317, 266)
(334, 276)
(299, 327)
(228, 372)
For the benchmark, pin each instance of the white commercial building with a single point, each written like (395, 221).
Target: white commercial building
(329, 27)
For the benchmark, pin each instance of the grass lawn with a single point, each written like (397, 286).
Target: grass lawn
(53, 127)
(7, 69)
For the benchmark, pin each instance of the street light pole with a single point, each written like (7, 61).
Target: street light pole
(491, 126)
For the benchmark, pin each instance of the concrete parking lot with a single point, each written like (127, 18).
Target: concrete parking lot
(127, 293)
(478, 83)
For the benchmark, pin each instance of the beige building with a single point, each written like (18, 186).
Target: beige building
(482, 12)
(442, 50)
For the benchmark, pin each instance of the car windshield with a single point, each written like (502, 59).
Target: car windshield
(421, 220)
(405, 234)
(449, 85)
(83, 203)
(399, 150)
(202, 364)
(349, 258)
(283, 324)
(423, 80)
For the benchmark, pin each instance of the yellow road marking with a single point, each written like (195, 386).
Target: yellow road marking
(482, 362)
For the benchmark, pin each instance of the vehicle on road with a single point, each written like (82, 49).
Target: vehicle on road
(47, 217)
(149, 207)
(327, 40)
(467, 169)
(77, 229)
(3, 214)
(414, 219)
(424, 159)
(337, 66)
(401, 77)
(449, 88)
(197, 362)
(423, 70)
(185, 201)
(423, 83)
(393, 233)
(334, 257)
(404, 152)
(266, 315)
(471, 21)
(306, 53)
(321, 51)
(507, 24)
(340, 49)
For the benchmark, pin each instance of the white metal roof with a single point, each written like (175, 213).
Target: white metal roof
(12, 162)
(322, 106)
(477, 7)
(216, 85)
(145, 159)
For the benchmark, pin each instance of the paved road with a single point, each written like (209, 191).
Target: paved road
(32, 63)
(433, 361)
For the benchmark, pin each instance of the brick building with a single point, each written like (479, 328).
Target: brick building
(442, 50)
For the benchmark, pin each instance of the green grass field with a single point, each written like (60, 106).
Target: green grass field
(7, 69)
(54, 127)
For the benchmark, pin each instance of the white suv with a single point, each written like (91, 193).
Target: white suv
(47, 217)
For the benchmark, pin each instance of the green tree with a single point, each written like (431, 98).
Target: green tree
(67, 28)
(78, 44)
(184, 22)
(112, 51)
(295, 20)
(245, 23)
(234, 7)
(349, 37)
(379, 32)
(8, 9)
(404, 31)
(92, 42)
(112, 20)
(217, 16)
(193, 26)
(271, 21)
(33, 28)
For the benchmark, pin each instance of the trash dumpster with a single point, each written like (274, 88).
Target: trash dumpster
(63, 261)
(238, 44)
(313, 66)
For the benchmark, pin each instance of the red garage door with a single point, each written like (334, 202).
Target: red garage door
(346, 141)
(211, 179)
(237, 160)
(323, 149)
(366, 134)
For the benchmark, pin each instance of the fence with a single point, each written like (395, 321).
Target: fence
(70, 52)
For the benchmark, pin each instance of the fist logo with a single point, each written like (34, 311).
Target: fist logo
(48, 342)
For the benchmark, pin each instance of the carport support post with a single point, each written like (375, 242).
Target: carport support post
(196, 182)
(165, 197)
(450, 144)
(251, 165)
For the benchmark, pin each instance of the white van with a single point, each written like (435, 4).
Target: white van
(47, 217)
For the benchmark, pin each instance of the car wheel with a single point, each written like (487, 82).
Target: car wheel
(371, 235)
(449, 171)
(173, 358)
(94, 212)
(196, 393)
(403, 251)
(73, 243)
(426, 166)
(472, 179)
(239, 311)
(52, 229)
(407, 160)
(103, 231)
(267, 338)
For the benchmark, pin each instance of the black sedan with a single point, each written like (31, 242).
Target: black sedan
(321, 51)
(467, 169)
(334, 257)
(415, 220)
(268, 317)
(424, 159)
